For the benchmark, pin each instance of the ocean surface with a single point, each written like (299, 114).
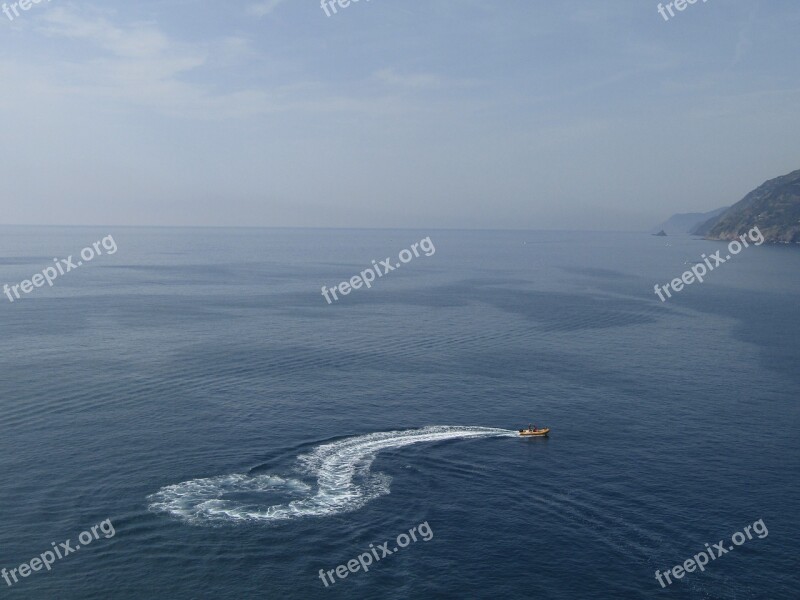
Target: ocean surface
(195, 389)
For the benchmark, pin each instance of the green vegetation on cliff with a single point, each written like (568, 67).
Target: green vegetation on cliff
(773, 207)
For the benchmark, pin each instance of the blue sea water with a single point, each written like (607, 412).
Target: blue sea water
(241, 434)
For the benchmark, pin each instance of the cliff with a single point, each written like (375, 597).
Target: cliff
(687, 222)
(773, 206)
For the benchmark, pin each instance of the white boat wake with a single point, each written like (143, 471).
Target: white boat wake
(342, 469)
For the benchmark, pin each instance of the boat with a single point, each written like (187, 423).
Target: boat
(538, 432)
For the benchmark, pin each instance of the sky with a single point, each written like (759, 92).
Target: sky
(519, 114)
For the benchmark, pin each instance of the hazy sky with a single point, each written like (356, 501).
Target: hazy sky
(565, 114)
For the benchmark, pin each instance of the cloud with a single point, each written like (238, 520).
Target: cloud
(415, 81)
(138, 41)
(263, 8)
(420, 81)
(138, 65)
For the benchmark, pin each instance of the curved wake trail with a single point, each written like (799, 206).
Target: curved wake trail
(342, 469)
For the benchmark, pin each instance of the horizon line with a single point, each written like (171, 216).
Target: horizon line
(303, 227)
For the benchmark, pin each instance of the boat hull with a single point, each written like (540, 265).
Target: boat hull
(537, 433)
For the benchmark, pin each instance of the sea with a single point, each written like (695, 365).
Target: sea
(196, 394)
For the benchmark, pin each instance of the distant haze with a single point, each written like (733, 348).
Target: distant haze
(413, 113)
